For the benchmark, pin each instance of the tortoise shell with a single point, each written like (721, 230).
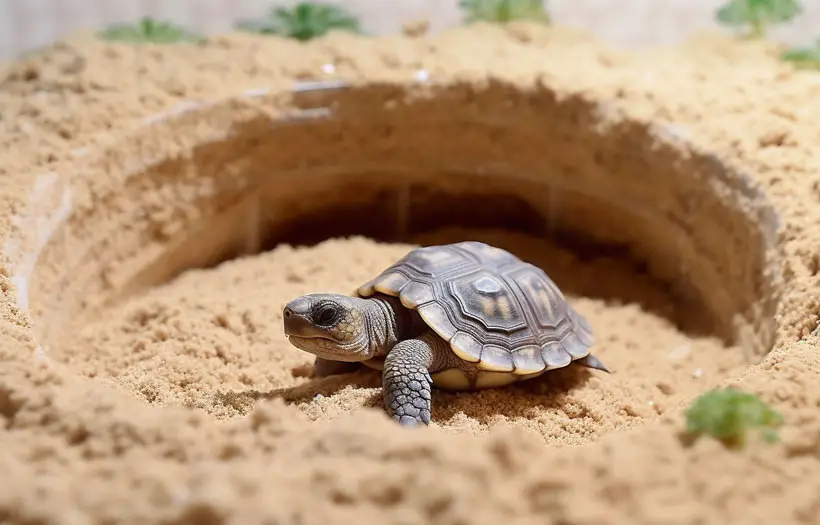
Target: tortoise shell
(495, 310)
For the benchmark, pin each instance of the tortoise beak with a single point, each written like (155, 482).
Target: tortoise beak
(296, 318)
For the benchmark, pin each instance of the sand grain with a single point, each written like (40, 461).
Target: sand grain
(184, 403)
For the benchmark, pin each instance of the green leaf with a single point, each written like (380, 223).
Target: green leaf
(758, 13)
(304, 21)
(149, 30)
(808, 57)
(734, 13)
(728, 414)
(502, 11)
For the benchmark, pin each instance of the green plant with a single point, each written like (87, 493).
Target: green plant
(304, 21)
(502, 11)
(727, 414)
(149, 30)
(806, 57)
(757, 14)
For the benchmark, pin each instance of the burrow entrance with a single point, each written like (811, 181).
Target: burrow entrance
(662, 249)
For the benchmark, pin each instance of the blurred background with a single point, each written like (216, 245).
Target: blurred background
(28, 24)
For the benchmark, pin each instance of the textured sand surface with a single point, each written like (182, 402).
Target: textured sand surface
(681, 219)
(212, 340)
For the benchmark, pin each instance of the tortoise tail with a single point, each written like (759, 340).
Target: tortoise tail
(593, 362)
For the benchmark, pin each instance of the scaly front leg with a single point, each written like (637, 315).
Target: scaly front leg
(406, 381)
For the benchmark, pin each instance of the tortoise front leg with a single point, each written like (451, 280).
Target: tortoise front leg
(326, 367)
(406, 382)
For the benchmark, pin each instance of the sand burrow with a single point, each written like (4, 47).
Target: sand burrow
(622, 214)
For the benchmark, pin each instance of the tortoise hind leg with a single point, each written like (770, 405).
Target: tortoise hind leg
(591, 361)
(406, 382)
(326, 367)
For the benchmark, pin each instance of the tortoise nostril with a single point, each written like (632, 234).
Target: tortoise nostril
(287, 312)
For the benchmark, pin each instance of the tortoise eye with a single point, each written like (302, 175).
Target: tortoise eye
(326, 314)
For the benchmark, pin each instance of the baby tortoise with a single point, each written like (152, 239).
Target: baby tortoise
(459, 316)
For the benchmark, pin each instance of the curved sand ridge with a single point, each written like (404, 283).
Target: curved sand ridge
(706, 172)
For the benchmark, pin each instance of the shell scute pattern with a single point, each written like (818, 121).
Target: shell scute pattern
(489, 301)
(494, 309)
(541, 296)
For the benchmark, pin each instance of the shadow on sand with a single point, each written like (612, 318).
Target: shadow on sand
(520, 400)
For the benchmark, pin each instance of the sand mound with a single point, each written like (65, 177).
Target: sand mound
(212, 340)
(672, 197)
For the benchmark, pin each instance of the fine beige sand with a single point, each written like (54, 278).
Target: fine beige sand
(162, 204)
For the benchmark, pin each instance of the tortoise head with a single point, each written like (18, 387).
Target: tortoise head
(330, 326)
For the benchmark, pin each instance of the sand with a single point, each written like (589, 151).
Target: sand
(161, 212)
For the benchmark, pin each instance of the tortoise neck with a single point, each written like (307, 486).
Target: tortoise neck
(388, 322)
